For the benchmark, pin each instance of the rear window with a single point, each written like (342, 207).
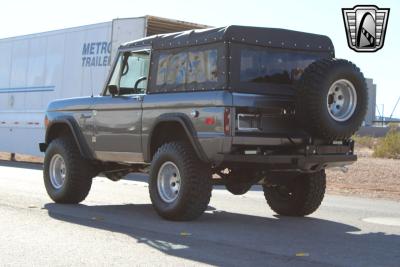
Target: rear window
(266, 70)
(267, 66)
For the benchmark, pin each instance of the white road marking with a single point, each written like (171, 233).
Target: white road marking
(383, 220)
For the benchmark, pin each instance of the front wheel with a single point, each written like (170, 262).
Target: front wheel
(180, 184)
(67, 176)
(298, 196)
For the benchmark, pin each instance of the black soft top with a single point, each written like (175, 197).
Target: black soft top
(269, 37)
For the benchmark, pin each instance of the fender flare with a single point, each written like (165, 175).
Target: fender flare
(188, 127)
(73, 126)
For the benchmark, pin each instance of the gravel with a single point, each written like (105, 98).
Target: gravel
(368, 177)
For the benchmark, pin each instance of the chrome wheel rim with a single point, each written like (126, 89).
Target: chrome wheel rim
(341, 100)
(168, 182)
(57, 171)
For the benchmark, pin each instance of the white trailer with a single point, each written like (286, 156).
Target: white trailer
(38, 68)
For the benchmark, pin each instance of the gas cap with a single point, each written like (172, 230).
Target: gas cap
(194, 113)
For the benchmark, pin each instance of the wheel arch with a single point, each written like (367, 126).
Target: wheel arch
(182, 129)
(68, 126)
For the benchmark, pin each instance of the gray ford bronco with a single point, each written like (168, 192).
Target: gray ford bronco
(233, 106)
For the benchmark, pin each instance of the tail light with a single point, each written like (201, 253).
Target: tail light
(227, 121)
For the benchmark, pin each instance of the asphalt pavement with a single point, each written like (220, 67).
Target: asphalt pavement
(116, 225)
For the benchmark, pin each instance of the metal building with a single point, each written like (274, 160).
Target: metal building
(370, 116)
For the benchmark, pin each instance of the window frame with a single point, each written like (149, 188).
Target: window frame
(267, 87)
(220, 84)
(120, 52)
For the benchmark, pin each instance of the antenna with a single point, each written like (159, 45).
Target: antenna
(394, 109)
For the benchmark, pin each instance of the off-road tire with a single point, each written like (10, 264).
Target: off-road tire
(196, 184)
(311, 102)
(79, 172)
(307, 192)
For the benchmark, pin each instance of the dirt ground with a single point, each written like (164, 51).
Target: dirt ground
(368, 177)
(23, 158)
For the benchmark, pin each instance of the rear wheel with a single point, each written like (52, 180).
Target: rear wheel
(180, 184)
(67, 176)
(298, 196)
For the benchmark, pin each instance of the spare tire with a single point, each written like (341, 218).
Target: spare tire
(332, 99)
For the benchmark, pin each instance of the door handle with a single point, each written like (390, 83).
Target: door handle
(86, 116)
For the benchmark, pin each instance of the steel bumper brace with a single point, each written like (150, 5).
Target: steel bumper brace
(314, 158)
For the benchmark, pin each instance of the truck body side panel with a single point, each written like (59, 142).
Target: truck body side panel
(208, 126)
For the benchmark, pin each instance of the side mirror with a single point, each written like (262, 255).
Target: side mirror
(113, 89)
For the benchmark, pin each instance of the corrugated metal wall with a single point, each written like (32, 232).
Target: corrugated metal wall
(157, 25)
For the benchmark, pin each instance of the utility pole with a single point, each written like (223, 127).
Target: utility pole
(379, 118)
(394, 109)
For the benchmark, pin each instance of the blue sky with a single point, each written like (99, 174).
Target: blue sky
(324, 17)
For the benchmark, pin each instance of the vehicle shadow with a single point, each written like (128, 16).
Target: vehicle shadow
(21, 164)
(224, 238)
(138, 177)
(144, 177)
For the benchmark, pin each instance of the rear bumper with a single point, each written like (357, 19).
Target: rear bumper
(313, 158)
(290, 162)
